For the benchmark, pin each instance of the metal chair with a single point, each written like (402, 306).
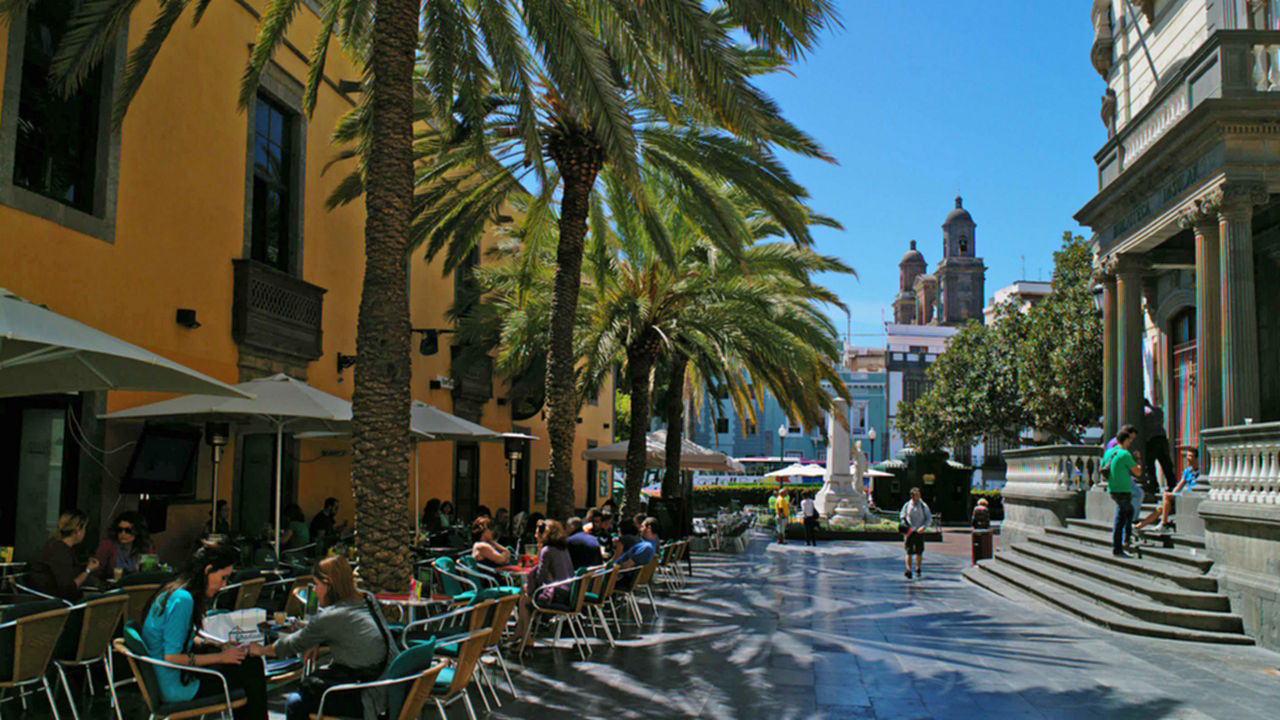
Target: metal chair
(451, 684)
(569, 614)
(462, 621)
(408, 682)
(28, 641)
(246, 593)
(86, 641)
(600, 597)
(143, 666)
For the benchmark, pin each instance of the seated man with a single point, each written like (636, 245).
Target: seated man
(584, 548)
(640, 552)
(1188, 481)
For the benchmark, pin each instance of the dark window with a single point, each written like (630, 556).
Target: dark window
(748, 428)
(722, 425)
(57, 142)
(273, 185)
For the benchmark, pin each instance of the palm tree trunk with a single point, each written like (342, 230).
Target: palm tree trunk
(578, 157)
(639, 366)
(671, 486)
(380, 400)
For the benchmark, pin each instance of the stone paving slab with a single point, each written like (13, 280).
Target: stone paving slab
(837, 632)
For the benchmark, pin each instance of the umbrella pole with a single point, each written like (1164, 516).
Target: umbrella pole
(416, 518)
(279, 490)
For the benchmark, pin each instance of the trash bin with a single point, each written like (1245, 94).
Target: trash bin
(982, 545)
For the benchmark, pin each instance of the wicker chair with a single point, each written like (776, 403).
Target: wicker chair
(140, 597)
(600, 596)
(86, 641)
(408, 682)
(27, 642)
(143, 666)
(569, 614)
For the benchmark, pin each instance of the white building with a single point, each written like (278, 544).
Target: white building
(910, 349)
(1025, 293)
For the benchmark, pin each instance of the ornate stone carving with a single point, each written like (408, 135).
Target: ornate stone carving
(1148, 9)
(1109, 112)
(1103, 42)
(1203, 212)
(1240, 195)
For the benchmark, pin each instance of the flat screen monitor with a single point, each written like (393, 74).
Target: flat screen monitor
(162, 462)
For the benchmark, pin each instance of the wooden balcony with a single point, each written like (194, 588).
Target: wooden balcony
(275, 313)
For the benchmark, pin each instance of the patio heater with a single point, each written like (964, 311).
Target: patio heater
(216, 435)
(512, 447)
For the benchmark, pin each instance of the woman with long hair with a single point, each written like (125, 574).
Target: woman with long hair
(53, 570)
(126, 542)
(554, 565)
(169, 632)
(353, 629)
(431, 516)
(484, 549)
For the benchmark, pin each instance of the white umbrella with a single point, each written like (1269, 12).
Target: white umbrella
(798, 470)
(692, 455)
(275, 403)
(44, 352)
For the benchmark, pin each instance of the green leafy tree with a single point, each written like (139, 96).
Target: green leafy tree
(1060, 362)
(621, 415)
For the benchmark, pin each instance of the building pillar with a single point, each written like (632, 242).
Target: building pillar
(1110, 395)
(1240, 382)
(1128, 271)
(1203, 221)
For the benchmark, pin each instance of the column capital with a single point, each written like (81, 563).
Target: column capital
(1203, 212)
(1115, 265)
(1235, 197)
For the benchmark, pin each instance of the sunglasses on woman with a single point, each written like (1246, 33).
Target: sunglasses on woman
(124, 529)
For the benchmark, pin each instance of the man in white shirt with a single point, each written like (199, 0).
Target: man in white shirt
(916, 516)
(809, 512)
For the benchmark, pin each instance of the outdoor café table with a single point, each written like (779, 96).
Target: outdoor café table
(517, 573)
(410, 603)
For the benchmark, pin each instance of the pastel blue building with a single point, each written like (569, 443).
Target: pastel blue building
(721, 429)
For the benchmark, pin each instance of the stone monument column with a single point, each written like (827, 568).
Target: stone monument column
(1110, 398)
(1240, 383)
(1203, 221)
(1129, 339)
(837, 485)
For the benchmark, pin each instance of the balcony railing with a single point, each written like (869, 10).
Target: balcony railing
(276, 313)
(1244, 464)
(1231, 64)
(1059, 467)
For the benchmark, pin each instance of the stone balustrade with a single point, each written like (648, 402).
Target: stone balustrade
(1266, 67)
(1065, 467)
(1044, 486)
(1244, 464)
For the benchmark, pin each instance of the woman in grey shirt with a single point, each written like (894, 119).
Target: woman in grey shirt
(355, 634)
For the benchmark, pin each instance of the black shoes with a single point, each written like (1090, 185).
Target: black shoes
(907, 574)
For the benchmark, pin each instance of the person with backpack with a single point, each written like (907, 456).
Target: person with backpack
(809, 512)
(1120, 467)
(913, 519)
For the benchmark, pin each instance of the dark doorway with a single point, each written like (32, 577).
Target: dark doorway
(37, 471)
(592, 494)
(466, 480)
(255, 490)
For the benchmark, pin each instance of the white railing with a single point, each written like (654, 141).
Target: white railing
(1244, 464)
(1166, 114)
(1063, 467)
(1266, 68)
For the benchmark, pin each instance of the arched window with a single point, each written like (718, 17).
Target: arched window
(964, 244)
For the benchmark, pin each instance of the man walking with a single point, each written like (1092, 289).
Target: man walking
(782, 514)
(1157, 447)
(1121, 468)
(809, 511)
(916, 516)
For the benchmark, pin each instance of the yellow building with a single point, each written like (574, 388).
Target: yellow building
(199, 231)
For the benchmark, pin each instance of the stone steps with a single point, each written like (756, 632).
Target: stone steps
(1093, 535)
(1167, 593)
(1119, 598)
(1179, 539)
(1135, 581)
(1188, 578)
(1012, 583)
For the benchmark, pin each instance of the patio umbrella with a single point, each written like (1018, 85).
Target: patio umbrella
(44, 352)
(797, 470)
(692, 455)
(274, 403)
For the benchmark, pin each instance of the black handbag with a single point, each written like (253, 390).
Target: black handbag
(904, 528)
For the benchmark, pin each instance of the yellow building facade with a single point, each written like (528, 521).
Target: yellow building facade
(199, 231)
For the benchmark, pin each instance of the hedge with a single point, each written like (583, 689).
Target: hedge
(709, 498)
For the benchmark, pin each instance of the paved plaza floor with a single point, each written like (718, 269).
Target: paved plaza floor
(837, 632)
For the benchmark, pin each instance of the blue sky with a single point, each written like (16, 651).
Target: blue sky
(995, 99)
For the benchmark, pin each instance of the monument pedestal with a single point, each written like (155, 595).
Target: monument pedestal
(839, 498)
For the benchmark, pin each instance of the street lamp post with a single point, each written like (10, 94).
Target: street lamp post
(871, 435)
(782, 442)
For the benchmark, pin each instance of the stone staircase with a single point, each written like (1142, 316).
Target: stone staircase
(1168, 593)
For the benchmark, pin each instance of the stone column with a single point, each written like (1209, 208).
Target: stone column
(1240, 384)
(1128, 271)
(1110, 394)
(1203, 221)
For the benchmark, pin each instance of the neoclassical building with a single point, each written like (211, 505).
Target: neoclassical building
(1187, 240)
(953, 294)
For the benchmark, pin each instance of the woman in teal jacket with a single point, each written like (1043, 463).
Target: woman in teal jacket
(169, 632)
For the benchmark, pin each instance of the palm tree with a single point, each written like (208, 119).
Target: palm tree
(751, 314)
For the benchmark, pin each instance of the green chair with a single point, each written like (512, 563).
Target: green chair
(409, 680)
(143, 665)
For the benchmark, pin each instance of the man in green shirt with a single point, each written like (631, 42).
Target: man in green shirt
(1122, 468)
